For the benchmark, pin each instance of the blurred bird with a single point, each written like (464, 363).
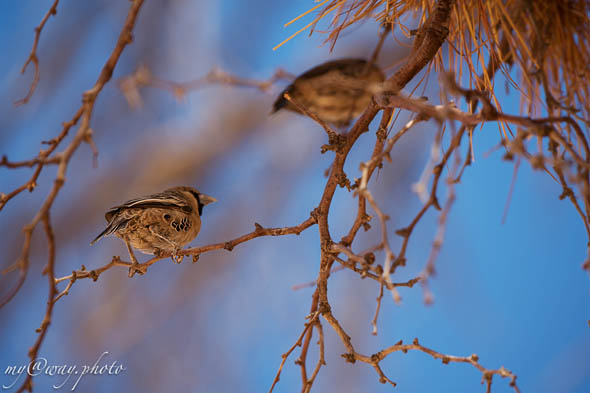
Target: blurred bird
(158, 223)
(336, 91)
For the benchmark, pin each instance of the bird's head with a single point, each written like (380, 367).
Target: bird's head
(201, 200)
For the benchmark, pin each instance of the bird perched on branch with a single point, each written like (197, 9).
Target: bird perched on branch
(159, 223)
(336, 91)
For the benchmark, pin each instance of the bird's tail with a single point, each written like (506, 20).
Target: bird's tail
(115, 224)
(100, 235)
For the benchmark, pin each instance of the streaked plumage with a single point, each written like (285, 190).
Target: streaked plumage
(336, 91)
(162, 222)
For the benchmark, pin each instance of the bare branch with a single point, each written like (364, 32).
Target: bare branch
(308, 326)
(487, 374)
(374, 321)
(142, 76)
(83, 134)
(259, 231)
(49, 270)
(33, 55)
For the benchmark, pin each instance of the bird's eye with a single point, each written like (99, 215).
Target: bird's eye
(167, 217)
(196, 195)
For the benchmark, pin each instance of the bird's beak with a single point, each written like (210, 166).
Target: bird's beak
(206, 199)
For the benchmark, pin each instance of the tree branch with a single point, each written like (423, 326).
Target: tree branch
(259, 231)
(33, 55)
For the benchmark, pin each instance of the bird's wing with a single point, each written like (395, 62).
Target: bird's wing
(166, 199)
(346, 66)
(118, 216)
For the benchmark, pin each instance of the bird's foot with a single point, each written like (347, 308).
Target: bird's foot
(175, 257)
(137, 268)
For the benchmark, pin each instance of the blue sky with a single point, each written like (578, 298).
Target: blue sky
(513, 293)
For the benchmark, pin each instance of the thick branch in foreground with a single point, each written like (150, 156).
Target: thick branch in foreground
(427, 44)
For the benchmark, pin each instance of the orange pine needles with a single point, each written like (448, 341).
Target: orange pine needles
(547, 41)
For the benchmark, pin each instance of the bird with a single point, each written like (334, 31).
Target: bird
(336, 91)
(159, 223)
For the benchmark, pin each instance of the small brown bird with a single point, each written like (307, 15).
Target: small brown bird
(162, 222)
(336, 91)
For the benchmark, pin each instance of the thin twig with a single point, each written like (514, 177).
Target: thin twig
(259, 231)
(49, 270)
(33, 55)
(308, 326)
(374, 321)
(142, 77)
